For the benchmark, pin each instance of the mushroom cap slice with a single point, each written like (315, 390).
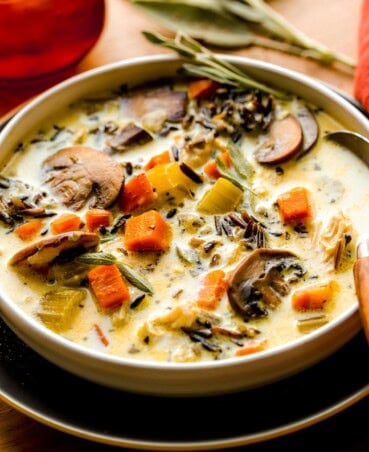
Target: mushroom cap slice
(160, 99)
(284, 139)
(257, 283)
(76, 173)
(310, 129)
(43, 252)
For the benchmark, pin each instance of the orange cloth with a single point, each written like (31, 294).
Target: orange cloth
(361, 83)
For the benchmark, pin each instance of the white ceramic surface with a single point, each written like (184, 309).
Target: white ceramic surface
(176, 378)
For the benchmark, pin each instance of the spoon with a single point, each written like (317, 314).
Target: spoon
(356, 143)
(359, 145)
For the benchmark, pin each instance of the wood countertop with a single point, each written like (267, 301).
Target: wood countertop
(334, 23)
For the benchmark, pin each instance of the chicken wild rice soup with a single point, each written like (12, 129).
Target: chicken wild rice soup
(182, 221)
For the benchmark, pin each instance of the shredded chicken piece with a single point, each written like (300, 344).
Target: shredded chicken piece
(148, 332)
(183, 315)
(121, 316)
(186, 353)
(334, 238)
(197, 151)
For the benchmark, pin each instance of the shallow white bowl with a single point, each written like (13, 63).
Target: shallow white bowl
(203, 378)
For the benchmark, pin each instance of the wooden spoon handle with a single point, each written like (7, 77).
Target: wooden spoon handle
(361, 275)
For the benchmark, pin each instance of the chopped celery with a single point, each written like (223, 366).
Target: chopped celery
(59, 307)
(222, 197)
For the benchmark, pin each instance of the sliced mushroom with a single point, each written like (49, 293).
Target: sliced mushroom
(310, 130)
(130, 135)
(162, 100)
(257, 284)
(76, 173)
(43, 252)
(283, 142)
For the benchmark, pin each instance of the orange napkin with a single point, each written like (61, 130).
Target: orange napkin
(361, 83)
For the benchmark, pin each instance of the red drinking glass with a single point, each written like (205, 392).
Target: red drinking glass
(42, 38)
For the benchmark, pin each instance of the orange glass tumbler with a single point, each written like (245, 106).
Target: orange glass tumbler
(42, 38)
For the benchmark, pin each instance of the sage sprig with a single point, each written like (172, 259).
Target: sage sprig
(204, 63)
(239, 23)
(268, 20)
(240, 163)
(131, 275)
(205, 20)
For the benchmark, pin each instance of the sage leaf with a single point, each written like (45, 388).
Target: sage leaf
(96, 259)
(241, 165)
(202, 20)
(236, 23)
(203, 61)
(224, 172)
(269, 22)
(135, 278)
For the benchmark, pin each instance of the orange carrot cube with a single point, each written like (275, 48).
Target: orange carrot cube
(312, 297)
(147, 232)
(201, 89)
(137, 193)
(66, 222)
(213, 288)
(160, 159)
(95, 218)
(294, 205)
(28, 231)
(108, 286)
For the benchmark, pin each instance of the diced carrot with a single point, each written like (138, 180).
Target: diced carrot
(27, 231)
(225, 156)
(137, 193)
(108, 286)
(66, 222)
(312, 297)
(159, 159)
(201, 89)
(147, 232)
(211, 168)
(294, 205)
(248, 349)
(213, 288)
(100, 333)
(95, 218)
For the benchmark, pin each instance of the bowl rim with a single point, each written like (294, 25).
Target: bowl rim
(36, 329)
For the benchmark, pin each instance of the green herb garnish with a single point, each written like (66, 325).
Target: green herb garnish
(239, 23)
(131, 275)
(207, 64)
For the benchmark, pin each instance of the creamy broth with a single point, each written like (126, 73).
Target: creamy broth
(170, 324)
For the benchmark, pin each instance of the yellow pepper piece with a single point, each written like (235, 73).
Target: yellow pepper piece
(222, 197)
(169, 180)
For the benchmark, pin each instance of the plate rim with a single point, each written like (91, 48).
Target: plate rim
(254, 438)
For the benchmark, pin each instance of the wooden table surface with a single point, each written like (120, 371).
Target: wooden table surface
(334, 23)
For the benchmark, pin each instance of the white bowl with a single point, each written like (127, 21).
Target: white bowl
(201, 378)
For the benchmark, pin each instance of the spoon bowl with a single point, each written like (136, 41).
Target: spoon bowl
(355, 142)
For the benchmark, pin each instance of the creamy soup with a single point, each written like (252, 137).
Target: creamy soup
(182, 222)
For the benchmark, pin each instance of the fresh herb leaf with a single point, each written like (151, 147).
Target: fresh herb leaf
(96, 259)
(241, 165)
(208, 63)
(236, 23)
(135, 278)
